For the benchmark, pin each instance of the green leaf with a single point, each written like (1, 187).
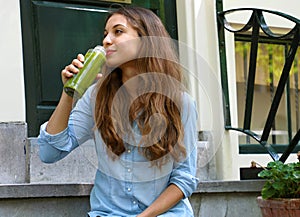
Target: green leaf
(278, 185)
(267, 193)
(297, 175)
(264, 174)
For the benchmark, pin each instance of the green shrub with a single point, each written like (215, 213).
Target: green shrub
(282, 180)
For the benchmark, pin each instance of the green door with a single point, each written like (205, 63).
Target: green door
(53, 32)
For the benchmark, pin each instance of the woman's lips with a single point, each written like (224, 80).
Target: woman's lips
(109, 52)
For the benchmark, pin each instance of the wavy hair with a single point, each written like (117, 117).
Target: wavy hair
(157, 55)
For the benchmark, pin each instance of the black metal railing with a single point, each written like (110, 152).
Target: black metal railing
(256, 27)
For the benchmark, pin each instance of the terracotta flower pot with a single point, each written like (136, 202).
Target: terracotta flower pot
(281, 207)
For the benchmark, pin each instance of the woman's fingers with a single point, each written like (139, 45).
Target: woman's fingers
(78, 63)
(80, 57)
(73, 68)
(99, 75)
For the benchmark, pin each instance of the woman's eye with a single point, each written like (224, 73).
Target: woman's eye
(118, 31)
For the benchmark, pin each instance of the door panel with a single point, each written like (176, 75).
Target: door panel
(53, 33)
(59, 45)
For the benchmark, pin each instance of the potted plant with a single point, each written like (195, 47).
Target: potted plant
(280, 195)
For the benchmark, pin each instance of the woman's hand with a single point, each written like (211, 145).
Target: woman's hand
(169, 198)
(69, 71)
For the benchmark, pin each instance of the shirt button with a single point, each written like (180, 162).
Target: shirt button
(128, 151)
(128, 189)
(134, 202)
(129, 170)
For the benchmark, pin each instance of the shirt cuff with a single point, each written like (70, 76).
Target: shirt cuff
(60, 141)
(186, 182)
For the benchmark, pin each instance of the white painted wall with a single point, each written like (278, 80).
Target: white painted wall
(197, 29)
(12, 95)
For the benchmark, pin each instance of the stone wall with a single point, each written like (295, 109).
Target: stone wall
(77, 167)
(20, 163)
(12, 150)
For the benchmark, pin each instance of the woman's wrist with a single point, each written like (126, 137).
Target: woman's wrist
(59, 119)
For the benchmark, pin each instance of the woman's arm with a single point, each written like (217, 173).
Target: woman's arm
(169, 198)
(79, 129)
(59, 119)
(55, 142)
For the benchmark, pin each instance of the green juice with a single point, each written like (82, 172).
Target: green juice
(93, 62)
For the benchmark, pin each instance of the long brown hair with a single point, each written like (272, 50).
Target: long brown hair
(157, 55)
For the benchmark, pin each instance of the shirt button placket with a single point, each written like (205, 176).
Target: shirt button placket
(128, 172)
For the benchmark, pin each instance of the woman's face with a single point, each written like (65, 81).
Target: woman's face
(121, 42)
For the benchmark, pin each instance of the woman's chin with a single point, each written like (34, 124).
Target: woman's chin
(111, 64)
(123, 64)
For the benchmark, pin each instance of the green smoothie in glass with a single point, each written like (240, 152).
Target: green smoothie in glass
(93, 62)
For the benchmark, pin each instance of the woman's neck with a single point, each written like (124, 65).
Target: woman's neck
(128, 71)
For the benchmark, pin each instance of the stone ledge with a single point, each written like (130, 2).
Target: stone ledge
(31, 190)
(218, 186)
(38, 190)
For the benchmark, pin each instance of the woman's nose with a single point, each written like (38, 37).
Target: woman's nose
(107, 40)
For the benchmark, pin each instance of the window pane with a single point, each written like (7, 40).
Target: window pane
(269, 66)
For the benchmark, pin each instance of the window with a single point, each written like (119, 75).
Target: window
(270, 61)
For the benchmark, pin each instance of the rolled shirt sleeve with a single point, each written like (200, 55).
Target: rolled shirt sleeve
(184, 172)
(54, 147)
(80, 128)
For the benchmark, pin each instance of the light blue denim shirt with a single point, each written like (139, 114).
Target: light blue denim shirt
(127, 185)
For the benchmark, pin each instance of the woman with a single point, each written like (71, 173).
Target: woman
(142, 122)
